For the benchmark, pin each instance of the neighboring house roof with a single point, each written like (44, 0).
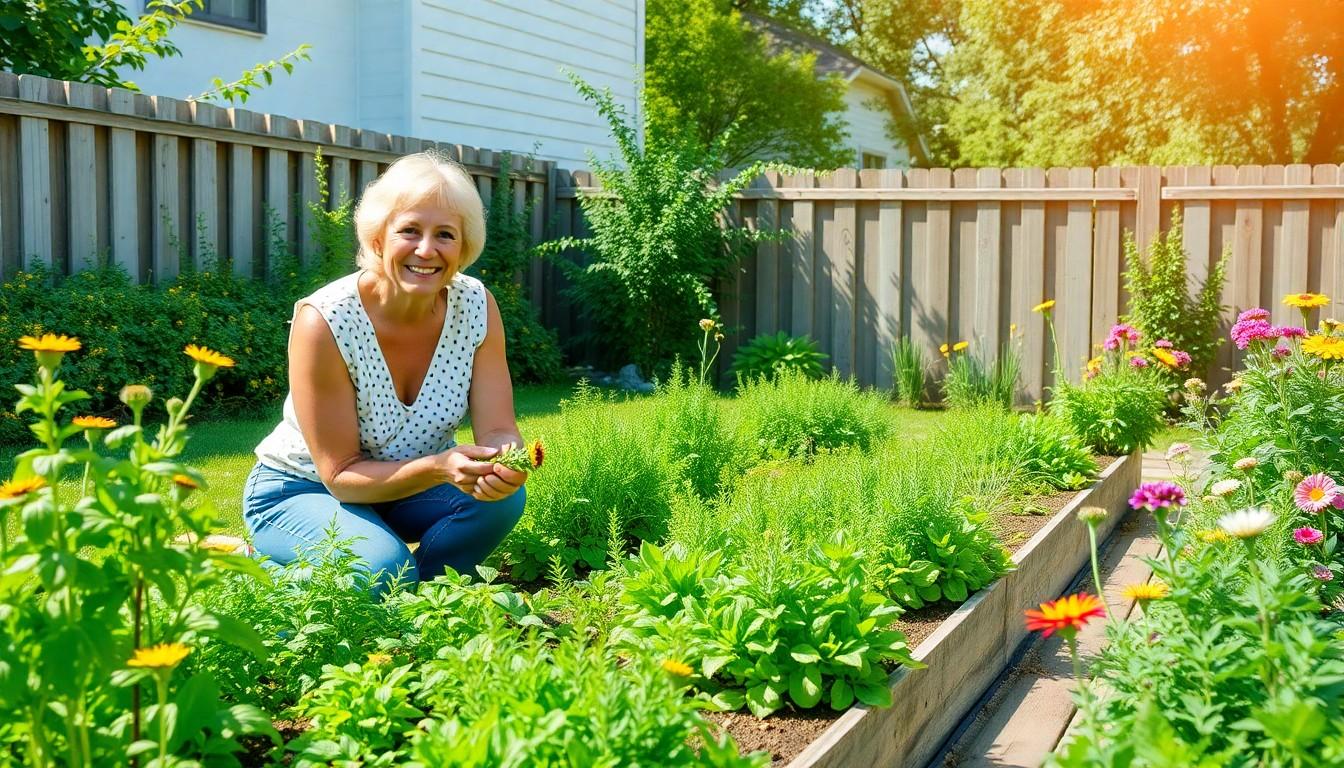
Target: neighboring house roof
(832, 60)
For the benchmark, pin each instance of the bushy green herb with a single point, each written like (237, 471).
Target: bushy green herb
(971, 380)
(1049, 453)
(909, 371)
(657, 243)
(358, 712)
(792, 415)
(766, 355)
(693, 438)
(612, 472)
(1161, 304)
(1116, 412)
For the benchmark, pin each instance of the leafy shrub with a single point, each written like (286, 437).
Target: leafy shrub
(612, 485)
(766, 355)
(533, 349)
(1049, 453)
(1161, 305)
(824, 637)
(970, 380)
(909, 370)
(792, 415)
(1116, 412)
(239, 317)
(657, 244)
(949, 559)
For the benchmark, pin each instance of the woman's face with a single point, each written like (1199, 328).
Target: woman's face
(422, 248)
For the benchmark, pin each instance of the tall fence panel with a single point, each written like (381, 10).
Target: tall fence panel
(157, 185)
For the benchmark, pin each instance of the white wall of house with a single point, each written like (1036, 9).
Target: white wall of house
(868, 124)
(485, 73)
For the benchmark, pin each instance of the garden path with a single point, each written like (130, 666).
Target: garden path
(1031, 706)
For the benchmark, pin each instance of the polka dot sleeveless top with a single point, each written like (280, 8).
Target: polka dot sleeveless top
(389, 430)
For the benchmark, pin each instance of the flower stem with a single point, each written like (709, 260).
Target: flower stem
(1096, 565)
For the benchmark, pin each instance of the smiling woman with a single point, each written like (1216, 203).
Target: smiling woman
(385, 363)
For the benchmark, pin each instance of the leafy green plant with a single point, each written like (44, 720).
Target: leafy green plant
(657, 244)
(1161, 304)
(358, 712)
(970, 380)
(792, 415)
(1049, 453)
(533, 349)
(694, 439)
(766, 355)
(779, 623)
(613, 478)
(909, 370)
(1116, 412)
(333, 227)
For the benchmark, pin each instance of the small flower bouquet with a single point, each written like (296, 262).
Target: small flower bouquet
(522, 458)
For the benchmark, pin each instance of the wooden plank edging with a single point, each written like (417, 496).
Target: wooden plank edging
(973, 646)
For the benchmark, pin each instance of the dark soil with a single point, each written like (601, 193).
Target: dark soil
(257, 751)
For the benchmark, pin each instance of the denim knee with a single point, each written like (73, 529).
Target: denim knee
(389, 560)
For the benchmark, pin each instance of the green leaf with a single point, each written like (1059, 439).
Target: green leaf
(842, 696)
(805, 686)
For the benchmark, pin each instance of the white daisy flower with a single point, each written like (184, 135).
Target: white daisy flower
(1247, 523)
(1225, 487)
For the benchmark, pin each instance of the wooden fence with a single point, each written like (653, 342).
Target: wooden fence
(943, 256)
(88, 173)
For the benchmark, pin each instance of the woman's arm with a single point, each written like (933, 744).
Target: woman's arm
(493, 424)
(324, 404)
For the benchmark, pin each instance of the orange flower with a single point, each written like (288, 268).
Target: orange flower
(49, 343)
(186, 483)
(536, 453)
(1066, 615)
(1166, 357)
(93, 422)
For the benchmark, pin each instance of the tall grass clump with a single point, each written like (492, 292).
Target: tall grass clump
(970, 379)
(792, 415)
(1050, 454)
(694, 440)
(909, 369)
(612, 486)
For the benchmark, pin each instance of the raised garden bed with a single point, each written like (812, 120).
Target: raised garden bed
(969, 650)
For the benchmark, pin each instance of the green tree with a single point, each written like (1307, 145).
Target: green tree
(706, 70)
(96, 41)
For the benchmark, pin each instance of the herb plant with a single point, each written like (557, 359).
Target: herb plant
(792, 415)
(766, 355)
(909, 371)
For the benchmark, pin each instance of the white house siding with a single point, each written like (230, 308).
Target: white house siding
(383, 52)
(321, 89)
(489, 74)
(868, 126)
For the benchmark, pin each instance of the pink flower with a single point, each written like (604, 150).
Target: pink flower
(1321, 573)
(1182, 357)
(1159, 495)
(1120, 334)
(1110, 344)
(1315, 493)
(1163, 344)
(1291, 332)
(1282, 352)
(1246, 331)
(1138, 362)
(1177, 450)
(1307, 536)
(1338, 503)
(1254, 313)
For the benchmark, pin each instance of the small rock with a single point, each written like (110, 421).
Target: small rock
(629, 378)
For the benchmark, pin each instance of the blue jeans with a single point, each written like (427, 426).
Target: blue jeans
(288, 515)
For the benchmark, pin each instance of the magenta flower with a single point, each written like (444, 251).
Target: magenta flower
(1182, 357)
(1246, 331)
(1160, 495)
(1254, 313)
(1138, 361)
(1307, 536)
(1163, 344)
(1321, 573)
(1282, 352)
(1291, 332)
(1315, 493)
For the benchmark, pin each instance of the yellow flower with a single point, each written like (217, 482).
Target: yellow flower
(49, 343)
(379, 659)
(49, 348)
(1214, 536)
(1166, 357)
(1044, 306)
(1145, 592)
(1094, 365)
(1324, 347)
(207, 361)
(960, 346)
(536, 453)
(208, 356)
(706, 324)
(1306, 300)
(676, 668)
(93, 422)
(13, 489)
(185, 482)
(1012, 328)
(161, 656)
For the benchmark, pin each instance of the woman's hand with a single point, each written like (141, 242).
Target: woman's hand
(500, 483)
(466, 465)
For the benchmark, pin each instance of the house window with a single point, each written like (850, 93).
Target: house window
(872, 160)
(249, 15)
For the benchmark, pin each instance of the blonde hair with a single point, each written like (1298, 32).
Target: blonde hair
(411, 181)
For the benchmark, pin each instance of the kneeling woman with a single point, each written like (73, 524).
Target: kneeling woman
(383, 366)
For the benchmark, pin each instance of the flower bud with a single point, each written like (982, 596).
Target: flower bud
(706, 324)
(1246, 464)
(1293, 477)
(1092, 515)
(136, 395)
(1195, 385)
